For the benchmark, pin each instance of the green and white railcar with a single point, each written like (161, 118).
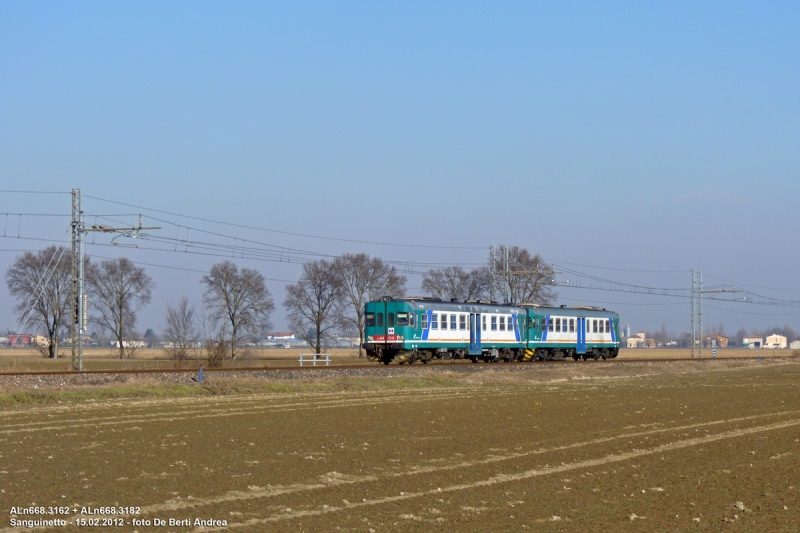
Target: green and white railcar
(422, 329)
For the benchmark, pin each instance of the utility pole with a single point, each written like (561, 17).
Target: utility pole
(78, 299)
(692, 329)
(76, 287)
(508, 281)
(492, 266)
(697, 300)
(700, 313)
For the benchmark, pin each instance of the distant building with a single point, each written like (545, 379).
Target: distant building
(795, 345)
(20, 339)
(722, 340)
(129, 344)
(752, 342)
(775, 342)
(636, 340)
(280, 335)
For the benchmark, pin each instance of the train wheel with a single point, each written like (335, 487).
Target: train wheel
(386, 361)
(474, 359)
(596, 356)
(425, 361)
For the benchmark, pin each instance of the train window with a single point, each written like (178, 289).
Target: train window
(558, 325)
(390, 320)
(572, 325)
(380, 320)
(594, 326)
(502, 323)
(402, 319)
(434, 321)
(369, 319)
(424, 321)
(494, 323)
(511, 323)
(411, 319)
(453, 322)
(550, 325)
(462, 322)
(608, 326)
(483, 318)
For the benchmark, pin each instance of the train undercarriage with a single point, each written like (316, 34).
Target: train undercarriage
(388, 354)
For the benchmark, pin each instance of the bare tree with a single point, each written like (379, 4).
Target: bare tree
(313, 304)
(240, 298)
(362, 279)
(180, 331)
(455, 282)
(40, 282)
(118, 289)
(520, 276)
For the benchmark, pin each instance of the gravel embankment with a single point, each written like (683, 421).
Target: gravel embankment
(190, 377)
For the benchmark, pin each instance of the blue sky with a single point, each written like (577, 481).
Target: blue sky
(637, 136)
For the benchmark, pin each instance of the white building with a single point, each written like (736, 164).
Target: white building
(795, 345)
(129, 344)
(775, 342)
(280, 335)
(752, 342)
(636, 341)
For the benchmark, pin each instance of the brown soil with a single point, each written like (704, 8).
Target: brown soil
(664, 447)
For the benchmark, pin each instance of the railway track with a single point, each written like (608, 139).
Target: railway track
(375, 366)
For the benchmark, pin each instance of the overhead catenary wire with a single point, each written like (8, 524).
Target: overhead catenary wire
(8, 191)
(184, 269)
(739, 284)
(264, 251)
(284, 254)
(281, 232)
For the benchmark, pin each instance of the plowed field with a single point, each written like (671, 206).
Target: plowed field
(713, 447)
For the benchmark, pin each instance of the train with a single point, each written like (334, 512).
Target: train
(408, 330)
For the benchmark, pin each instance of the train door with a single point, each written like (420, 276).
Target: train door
(475, 334)
(581, 345)
(382, 322)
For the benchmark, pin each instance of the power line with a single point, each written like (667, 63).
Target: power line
(750, 312)
(34, 192)
(620, 303)
(294, 234)
(557, 261)
(279, 252)
(755, 286)
(181, 268)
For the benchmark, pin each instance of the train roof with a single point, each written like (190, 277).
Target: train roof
(425, 303)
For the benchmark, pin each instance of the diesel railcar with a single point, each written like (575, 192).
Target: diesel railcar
(407, 330)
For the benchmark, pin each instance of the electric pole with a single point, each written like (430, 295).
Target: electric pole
(697, 300)
(694, 322)
(78, 299)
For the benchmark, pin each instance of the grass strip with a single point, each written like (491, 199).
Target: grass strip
(215, 386)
